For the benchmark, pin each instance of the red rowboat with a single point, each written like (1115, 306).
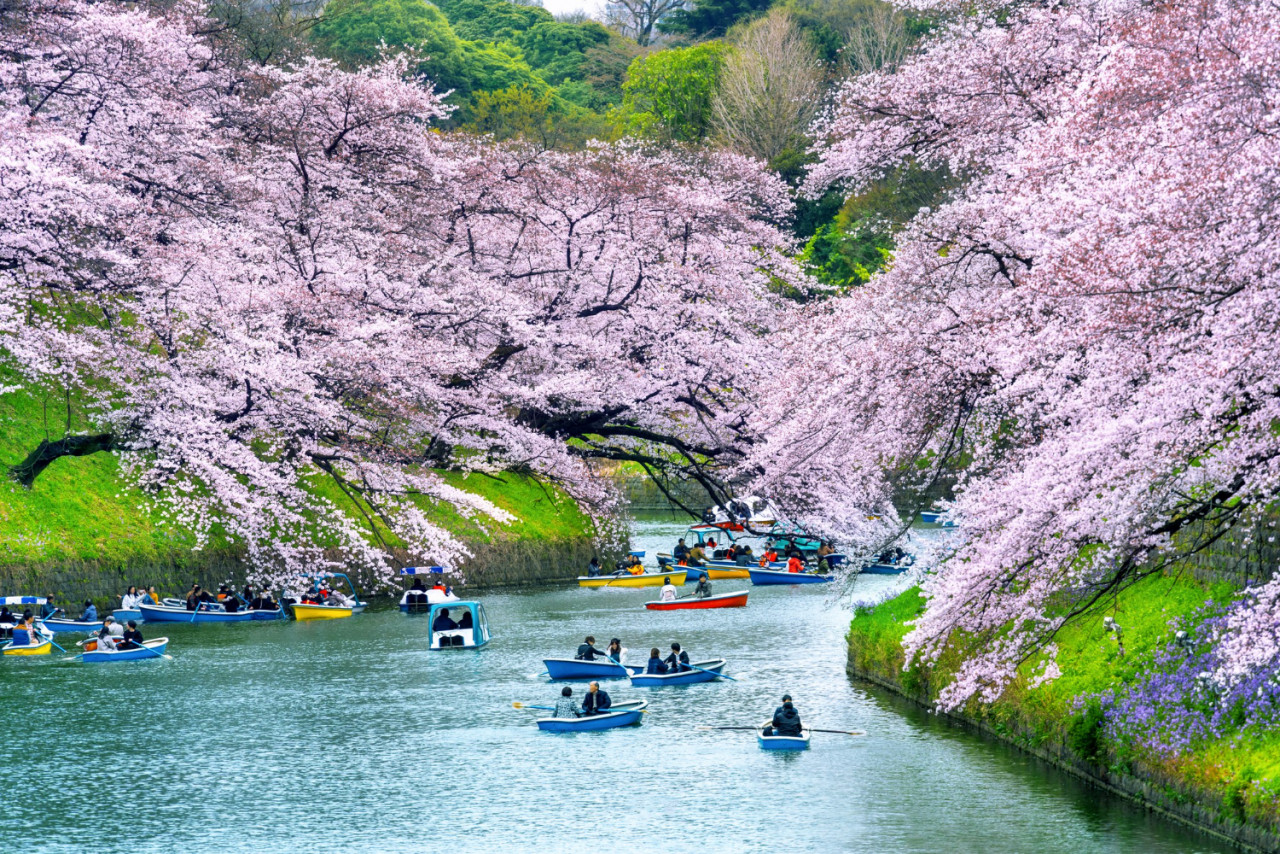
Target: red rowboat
(737, 599)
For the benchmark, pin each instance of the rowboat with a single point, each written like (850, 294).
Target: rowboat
(891, 562)
(782, 742)
(61, 624)
(772, 576)
(736, 599)
(565, 669)
(648, 579)
(38, 647)
(150, 649)
(884, 569)
(934, 517)
(473, 636)
(263, 614)
(713, 569)
(709, 672)
(303, 611)
(124, 615)
(619, 714)
(206, 614)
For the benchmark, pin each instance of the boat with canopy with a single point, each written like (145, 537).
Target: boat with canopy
(419, 599)
(472, 631)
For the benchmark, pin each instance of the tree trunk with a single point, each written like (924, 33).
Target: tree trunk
(46, 452)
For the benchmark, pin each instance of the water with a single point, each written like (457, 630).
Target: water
(348, 735)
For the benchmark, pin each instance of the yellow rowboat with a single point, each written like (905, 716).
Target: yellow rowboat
(41, 648)
(319, 612)
(714, 572)
(648, 579)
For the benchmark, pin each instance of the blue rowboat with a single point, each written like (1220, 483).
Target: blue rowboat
(565, 669)
(689, 677)
(124, 615)
(167, 614)
(151, 649)
(60, 624)
(258, 614)
(934, 517)
(772, 576)
(619, 714)
(782, 742)
(884, 569)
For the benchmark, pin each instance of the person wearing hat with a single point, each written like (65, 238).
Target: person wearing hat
(565, 706)
(786, 720)
(596, 702)
(113, 628)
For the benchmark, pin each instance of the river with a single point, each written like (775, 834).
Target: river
(349, 736)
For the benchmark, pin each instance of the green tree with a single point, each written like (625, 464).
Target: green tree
(540, 117)
(711, 18)
(352, 31)
(492, 20)
(668, 94)
(558, 50)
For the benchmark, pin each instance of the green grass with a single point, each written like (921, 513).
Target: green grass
(82, 509)
(1240, 771)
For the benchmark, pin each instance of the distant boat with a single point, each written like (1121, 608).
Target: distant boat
(934, 517)
(647, 579)
(619, 715)
(782, 742)
(761, 577)
(149, 649)
(62, 624)
(38, 647)
(736, 599)
(206, 614)
(709, 671)
(472, 637)
(575, 669)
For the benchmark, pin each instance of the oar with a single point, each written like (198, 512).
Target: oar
(811, 729)
(712, 672)
(52, 641)
(527, 706)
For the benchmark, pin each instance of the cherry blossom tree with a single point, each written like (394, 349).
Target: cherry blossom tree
(289, 302)
(1082, 333)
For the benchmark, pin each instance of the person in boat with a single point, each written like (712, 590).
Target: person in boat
(786, 720)
(153, 595)
(443, 622)
(744, 556)
(824, 549)
(681, 551)
(634, 566)
(678, 660)
(703, 590)
(338, 599)
(565, 706)
(593, 568)
(106, 640)
(48, 609)
(614, 650)
(90, 613)
(24, 633)
(230, 602)
(655, 665)
(132, 638)
(697, 555)
(596, 702)
(7, 617)
(794, 564)
(112, 627)
(587, 650)
(668, 592)
(193, 597)
(129, 600)
(263, 602)
(467, 622)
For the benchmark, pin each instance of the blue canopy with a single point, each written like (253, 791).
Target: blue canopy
(422, 570)
(23, 600)
(637, 554)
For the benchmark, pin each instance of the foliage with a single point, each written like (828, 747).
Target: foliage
(1085, 315)
(668, 94)
(558, 50)
(518, 112)
(290, 291)
(492, 20)
(354, 31)
(711, 18)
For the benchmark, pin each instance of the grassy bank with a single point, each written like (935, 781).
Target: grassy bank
(82, 517)
(1231, 784)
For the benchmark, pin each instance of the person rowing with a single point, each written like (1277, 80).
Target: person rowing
(596, 702)
(587, 650)
(668, 592)
(443, 622)
(132, 637)
(678, 660)
(786, 720)
(655, 667)
(703, 590)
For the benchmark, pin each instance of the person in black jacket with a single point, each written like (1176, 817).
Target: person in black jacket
(596, 702)
(678, 660)
(443, 622)
(132, 637)
(587, 651)
(786, 720)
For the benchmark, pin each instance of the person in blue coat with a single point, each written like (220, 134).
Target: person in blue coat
(596, 702)
(90, 614)
(655, 665)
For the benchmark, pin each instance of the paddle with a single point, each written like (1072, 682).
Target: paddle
(714, 673)
(54, 642)
(528, 706)
(811, 729)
